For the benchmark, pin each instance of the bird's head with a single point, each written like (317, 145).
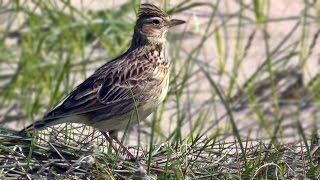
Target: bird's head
(153, 24)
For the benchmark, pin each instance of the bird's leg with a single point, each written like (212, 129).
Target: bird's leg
(109, 139)
(113, 135)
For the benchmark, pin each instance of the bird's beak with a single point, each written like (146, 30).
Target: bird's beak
(175, 22)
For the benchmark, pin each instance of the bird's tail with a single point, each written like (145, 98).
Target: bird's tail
(25, 137)
(40, 124)
(36, 125)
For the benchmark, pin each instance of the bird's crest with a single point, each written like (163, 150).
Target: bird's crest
(149, 10)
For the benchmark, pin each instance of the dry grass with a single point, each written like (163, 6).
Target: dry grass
(241, 116)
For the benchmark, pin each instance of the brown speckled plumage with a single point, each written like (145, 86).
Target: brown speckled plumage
(138, 79)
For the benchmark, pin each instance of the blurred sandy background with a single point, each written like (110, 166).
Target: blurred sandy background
(283, 17)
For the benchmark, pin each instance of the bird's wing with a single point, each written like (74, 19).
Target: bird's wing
(114, 85)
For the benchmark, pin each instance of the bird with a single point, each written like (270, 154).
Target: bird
(124, 90)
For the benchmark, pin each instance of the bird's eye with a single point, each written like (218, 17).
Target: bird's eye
(156, 21)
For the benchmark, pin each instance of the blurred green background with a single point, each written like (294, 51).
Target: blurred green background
(244, 79)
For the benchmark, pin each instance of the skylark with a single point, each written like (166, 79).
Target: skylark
(125, 90)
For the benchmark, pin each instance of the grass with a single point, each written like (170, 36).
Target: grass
(219, 121)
